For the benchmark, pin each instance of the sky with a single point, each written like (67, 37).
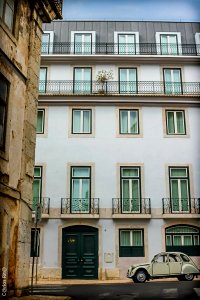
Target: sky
(136, 10)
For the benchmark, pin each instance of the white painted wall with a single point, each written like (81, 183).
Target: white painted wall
(148, 72)
(105, 150)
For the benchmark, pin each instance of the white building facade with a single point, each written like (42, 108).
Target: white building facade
(117, 161)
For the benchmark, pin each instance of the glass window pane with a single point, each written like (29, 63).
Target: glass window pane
(85, 188)
(175, 195)
(78, 38)
(78, 74)
(124, 121)
(135, 188)
(76, 121)
(125, 238)
(75, 188)
(40, 121)
(123, 75)
(187, 240)
(8, 16)
(180, 122)
(177, 240)
(86, 121)
(182, 229)
(177, 75)
(36, 188)
(167, 74)
(196, 240)
(87, 74)
(130, 172)
(176, 172)
(170, 122)
(37, 172)
(45, 38)
(137, 238)
(134, 122)
(168, 240)
(43, 72)
(125, 188)
(80, 172)
(132, 75)
(126, 195)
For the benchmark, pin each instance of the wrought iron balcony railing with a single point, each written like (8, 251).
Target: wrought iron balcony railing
(131, 206)
(88, 48)
(181, 205)
(131, 88)
(45, 204)
(79, 205)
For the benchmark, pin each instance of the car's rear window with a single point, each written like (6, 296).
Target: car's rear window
(184, 257)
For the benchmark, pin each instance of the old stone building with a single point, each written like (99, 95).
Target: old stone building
(20, 44)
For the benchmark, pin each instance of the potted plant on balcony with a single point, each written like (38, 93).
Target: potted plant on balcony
(102, 78)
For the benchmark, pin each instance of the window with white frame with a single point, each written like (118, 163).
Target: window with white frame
(183, 238)
(82, 80)
(4, 90)
(175, 122)
(37, 186)
(129, 121)
(83, 42)
(131, 242)
(40, 121)
(81, 121)
(179, 189)
(128, 80)
(126, 43)
(7, 8)
(43, 80)
(197, 40)
(168, 43)
(80, 189)
(47, 42)
(130, 189)
(172, 81)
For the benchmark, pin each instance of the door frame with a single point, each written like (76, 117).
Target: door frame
(86, 226)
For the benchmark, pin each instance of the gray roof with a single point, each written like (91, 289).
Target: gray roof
(105, 29)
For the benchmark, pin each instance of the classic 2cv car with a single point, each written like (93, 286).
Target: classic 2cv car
(165, 264)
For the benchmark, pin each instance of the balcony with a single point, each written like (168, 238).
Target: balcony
(131, 208)
(128, 49)
(181, 207)
(110, 88)
(80, 207)
(45, 206)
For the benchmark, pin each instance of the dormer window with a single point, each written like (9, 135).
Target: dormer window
(47, 42)
(83, 42)
(168, 43)
(197, 39)
(126, 43)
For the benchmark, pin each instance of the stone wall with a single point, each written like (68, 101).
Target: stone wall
(19, 64)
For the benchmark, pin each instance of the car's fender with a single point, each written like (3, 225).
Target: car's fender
(188, 268)
(142, 267)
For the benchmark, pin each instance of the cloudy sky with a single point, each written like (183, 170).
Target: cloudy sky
(170, 10)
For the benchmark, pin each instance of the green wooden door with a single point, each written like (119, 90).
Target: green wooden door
(80, 252)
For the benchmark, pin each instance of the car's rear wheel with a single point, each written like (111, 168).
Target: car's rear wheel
(188, 277)
(140, 276)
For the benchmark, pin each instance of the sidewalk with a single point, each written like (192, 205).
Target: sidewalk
(113, 281)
